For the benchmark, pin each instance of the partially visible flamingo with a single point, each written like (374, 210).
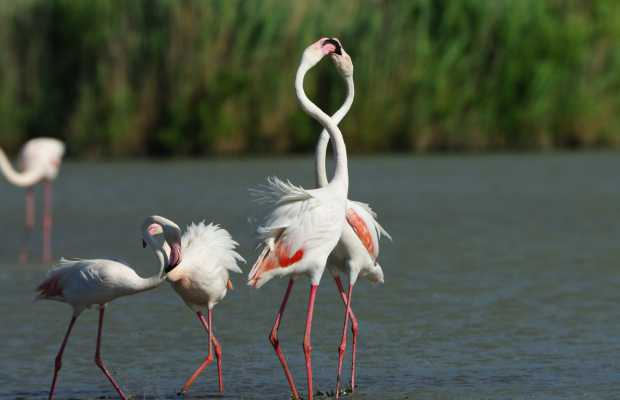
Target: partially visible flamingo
(202, 278)
(301, 227)
(39, 160)
(84, 283)
(358, 246)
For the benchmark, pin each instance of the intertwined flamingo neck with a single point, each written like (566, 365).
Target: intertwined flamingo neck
(21, 179)
(320, 174)
(162, 258)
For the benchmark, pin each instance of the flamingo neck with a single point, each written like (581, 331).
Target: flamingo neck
(340, 179)
(21, 179)
(162, 257)
(320, 174)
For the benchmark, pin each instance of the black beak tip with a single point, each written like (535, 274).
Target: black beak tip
(143, 244)
(170, 267)
(335, 43)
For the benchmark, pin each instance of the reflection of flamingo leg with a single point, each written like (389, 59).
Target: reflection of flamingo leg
(354, 327)
(98, 359)
(306, 344)
(218, 355)
(273, 338)
(47, 223)
(23, 255)
(58, 362)
(343, 344)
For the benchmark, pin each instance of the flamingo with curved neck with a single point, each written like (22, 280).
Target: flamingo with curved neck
(299, 228)
(39, 160)
(358, 247)
(84, 283)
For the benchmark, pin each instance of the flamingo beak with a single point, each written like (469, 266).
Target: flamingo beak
(175, 256)
(143, 244)
(338, 48)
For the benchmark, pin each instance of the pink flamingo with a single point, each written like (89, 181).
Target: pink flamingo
(84, 283)
(301, 227)
(202, 278)
(39, 160)
(358, 246)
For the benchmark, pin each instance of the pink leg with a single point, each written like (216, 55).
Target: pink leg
(354, 329)
(98, 359)
(343, 344)
(47, 223)
(218, 355)
(273, 338)
(306, 344)
(23, 255)
(58, 362)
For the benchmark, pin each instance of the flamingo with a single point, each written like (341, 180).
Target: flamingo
(301, 227)
(39, 160)
(84, 283)
(358, 247)
(202, 278)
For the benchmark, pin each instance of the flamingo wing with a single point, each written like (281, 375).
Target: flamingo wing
(295, 222)
(362, 219)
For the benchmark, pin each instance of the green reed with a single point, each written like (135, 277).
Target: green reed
(187, 77)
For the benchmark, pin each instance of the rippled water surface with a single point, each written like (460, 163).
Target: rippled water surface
(503, 282)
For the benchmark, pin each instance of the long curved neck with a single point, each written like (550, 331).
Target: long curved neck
(341, 173)
(320, 174)
(162, 258)
(22, 179)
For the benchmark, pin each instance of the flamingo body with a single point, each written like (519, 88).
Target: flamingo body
(202, 279)
(84, 283)
(39, 160)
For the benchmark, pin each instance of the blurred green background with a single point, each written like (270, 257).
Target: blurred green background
(164, 77)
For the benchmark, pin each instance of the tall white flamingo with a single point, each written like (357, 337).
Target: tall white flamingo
(84, 283)
(301, 227)
(39, 160)
(202, 278)
(358, 246)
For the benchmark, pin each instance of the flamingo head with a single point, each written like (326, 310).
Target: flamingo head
(342, 61)
(374, 274)
(172, 234)
(313, 53)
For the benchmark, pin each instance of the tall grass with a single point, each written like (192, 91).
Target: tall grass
(187, 77)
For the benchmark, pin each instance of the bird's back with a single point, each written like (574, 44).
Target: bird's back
(208, 255)
(299, 229)
(82, 283)
(43, 153)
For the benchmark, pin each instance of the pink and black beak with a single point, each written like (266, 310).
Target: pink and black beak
(175, 256)
(338, 48)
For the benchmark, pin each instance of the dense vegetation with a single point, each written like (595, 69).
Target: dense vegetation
(187, 77)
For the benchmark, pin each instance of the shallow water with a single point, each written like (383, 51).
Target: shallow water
(502, 282)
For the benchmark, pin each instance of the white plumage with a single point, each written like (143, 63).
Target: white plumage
(84, 283)
(202, 278)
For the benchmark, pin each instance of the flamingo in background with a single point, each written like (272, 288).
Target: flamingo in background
(301, 227)
(358, 246)
(202, 278)
(39, 160)
(84, 283)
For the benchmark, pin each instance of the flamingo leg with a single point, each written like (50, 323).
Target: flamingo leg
(354, 328)
(218, 355)
(343, 344)
(47, 223)
(58, 363)
(23, 254)
(306, 343)
(98, 359)
(273, 338)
